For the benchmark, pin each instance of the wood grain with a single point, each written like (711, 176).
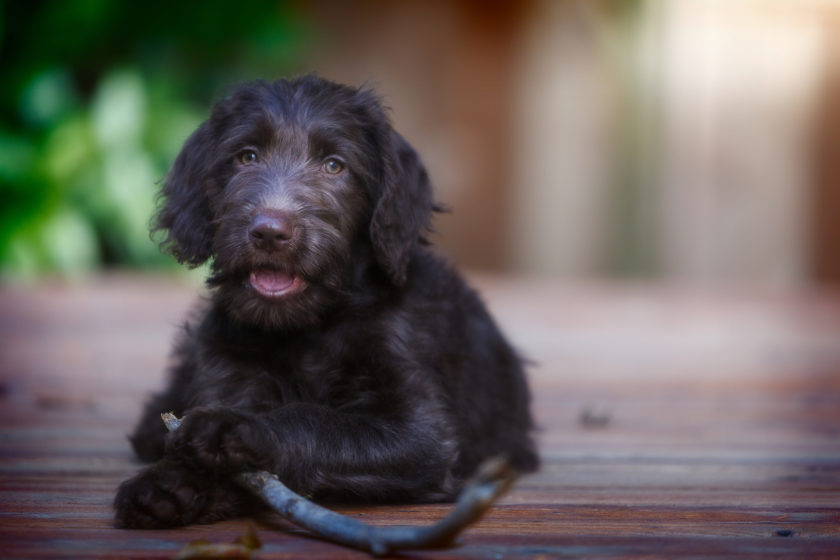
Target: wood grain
(718, 429)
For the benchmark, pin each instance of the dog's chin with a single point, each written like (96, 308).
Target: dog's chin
(272, 300)
(275, 285)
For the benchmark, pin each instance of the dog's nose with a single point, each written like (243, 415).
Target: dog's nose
(270, 231)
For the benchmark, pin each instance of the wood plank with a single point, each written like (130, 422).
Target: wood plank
(721, 432)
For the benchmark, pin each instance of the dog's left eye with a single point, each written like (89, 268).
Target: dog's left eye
(333, 166)
(246, 156)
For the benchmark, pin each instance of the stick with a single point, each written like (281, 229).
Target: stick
(493, 479)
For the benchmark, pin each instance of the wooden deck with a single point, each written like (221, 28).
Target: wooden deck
(673, 424)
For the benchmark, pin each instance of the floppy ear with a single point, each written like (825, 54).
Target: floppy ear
(403, 212)
(184, 211)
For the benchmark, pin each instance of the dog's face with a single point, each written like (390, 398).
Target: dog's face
(290, 188)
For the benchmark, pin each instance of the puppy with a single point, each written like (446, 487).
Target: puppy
(335, 350)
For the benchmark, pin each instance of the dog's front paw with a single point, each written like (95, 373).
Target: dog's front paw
(163, 495)
(218, 440)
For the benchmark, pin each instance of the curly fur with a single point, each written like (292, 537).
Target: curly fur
(379, 377)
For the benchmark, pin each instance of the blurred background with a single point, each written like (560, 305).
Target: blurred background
(647, 193)
(693, 141)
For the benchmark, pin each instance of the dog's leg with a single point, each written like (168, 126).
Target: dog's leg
(149, 435)
(320, 451)
(168, 494)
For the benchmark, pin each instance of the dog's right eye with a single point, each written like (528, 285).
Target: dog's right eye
(246, 157)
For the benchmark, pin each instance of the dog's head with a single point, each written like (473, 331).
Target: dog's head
(285, 188)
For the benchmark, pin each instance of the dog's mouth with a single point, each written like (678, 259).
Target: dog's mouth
(275, 284)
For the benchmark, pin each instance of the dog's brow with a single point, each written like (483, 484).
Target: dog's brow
(323, 141)
(259, 134)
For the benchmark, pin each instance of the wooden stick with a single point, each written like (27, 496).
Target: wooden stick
(493, 479)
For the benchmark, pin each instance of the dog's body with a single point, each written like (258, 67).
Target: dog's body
(336, 350)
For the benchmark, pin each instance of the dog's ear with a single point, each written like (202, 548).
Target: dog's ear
(184, 211)
(403, 212)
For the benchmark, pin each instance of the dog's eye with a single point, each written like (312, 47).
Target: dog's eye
(333, 166)
(246, 157)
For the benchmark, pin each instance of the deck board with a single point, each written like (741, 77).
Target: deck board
(720, 435)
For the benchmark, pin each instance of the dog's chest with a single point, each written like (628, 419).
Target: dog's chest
(325, 368)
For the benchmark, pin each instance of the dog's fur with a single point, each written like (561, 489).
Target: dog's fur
(335, 349)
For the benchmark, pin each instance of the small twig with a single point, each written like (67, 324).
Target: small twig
(493, 479)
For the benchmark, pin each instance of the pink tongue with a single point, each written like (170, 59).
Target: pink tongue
(271, 281)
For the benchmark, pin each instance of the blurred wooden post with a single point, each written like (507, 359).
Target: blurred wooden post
(825, 207)
(448, 73)
(481, 96)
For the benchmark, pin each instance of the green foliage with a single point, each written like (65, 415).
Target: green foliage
(97, 98)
